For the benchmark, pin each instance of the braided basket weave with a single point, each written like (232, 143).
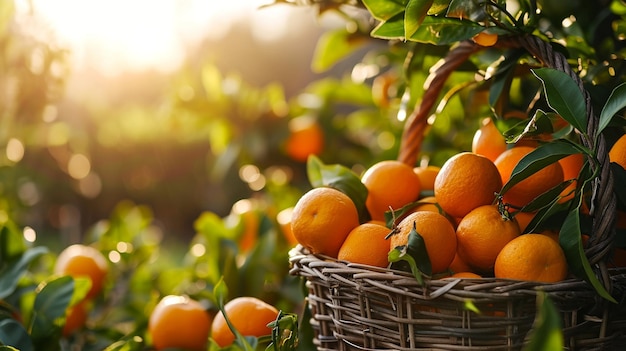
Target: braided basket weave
(357, 307)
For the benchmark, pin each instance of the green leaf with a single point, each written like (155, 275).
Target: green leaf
(563, 96)
(393, 28)
(284, 332)
(13, 334)
(341, 178)
(438, 7)
(333, 46)
(570, 239)
(220, 291)
(539, 158)
(12, 243)
(469, 305)
(391, 216)
(444, 31)
(546, 333)
(414, 254)
(127, 344)
(548, 198)
(615, 103)
(470, 10)
(50, 304)
(502, 76)
(11, 274)
(415, 13)
(383, 10)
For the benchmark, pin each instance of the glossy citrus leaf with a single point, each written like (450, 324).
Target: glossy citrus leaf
(502, 76)
(412, 256)
(539, 158)
(438, 7)
(341, 178)
(570, 239)
(284, 332)
(415, 13)
(13, 271)
(383, 10)
(13, 334)
(444, 31)
(462, 9)
(548, 198)
(50, 304)
(546, 333)
(390, 29)
(615, 103)
(563, 96)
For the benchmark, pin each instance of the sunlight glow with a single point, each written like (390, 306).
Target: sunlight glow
(78, 166)
(29, 234)
(116, 35)
(15, 150)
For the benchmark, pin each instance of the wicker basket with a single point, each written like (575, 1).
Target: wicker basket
(356, 307)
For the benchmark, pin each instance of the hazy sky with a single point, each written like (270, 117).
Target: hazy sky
(111, 35)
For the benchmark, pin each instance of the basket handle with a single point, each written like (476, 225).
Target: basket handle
(604, 203)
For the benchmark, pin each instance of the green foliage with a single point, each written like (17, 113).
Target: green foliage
(564, 97)
(412, 257)
(284, 332)
(341, 178)
(547, 333)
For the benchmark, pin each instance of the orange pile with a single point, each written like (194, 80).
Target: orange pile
(470, 228)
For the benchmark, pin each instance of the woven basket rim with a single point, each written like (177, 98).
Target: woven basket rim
(332, 265)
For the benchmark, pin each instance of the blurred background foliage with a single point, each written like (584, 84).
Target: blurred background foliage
(223, 127)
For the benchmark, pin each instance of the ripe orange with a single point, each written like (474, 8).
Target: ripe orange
(366, 244)
(550, 233)
(458, 265)
(617, 153)
(533, 257)
(536, 184)
(249, 315)
(322, 219)
(571, 166)
(76, 317)
(306, 138)
(523, 219)
(427, 175)
(179, 322)
(428, 203)
(437, 232)
(488, 141)
(481, 235)
(390, 184)
(485, 39)
(465, 275)
(83, 261)
(466, 181)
